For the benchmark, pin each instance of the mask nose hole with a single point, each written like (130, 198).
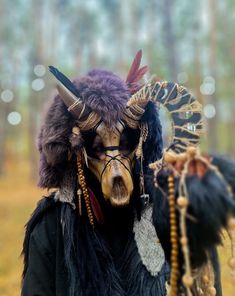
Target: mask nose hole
(118, 180)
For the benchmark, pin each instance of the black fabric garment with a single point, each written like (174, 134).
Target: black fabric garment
(46, 273)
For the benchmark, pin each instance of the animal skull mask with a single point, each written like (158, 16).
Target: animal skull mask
(110, 157)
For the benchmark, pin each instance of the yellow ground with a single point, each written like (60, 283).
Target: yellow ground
(18, 197)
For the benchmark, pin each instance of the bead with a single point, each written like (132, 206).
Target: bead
(231, 262)
(169, 157)
(174, 234)
(174, 252)
(173, 240)
(182, 157)
(182, 202)
(205, 279)
(192, 151)
(231, 223)
(171, 203)
(212, 291)
(174, 264)
(187, 280)
(173, 228)
(184, 241)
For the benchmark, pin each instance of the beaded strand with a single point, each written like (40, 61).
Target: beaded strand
(173, 238)
(82, 183)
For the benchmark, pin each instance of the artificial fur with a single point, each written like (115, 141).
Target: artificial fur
(210, 204)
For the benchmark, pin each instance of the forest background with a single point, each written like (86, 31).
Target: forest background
(189, 42)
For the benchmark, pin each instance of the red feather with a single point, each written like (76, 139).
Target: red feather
(96, 207)
(134, 67)
(135, 73)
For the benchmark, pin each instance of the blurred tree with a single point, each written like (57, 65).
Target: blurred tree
(36, 56)
(212, 122)
(169, 38)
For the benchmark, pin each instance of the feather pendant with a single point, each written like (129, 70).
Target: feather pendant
(96, 207)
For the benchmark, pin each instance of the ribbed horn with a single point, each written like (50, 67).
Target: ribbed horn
(135, 107)
(185, 111)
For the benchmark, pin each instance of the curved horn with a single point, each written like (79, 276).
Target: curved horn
(70, 96)
(184, 109)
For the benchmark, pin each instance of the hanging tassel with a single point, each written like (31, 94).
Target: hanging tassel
(142, 139)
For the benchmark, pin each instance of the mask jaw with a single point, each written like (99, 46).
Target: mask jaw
(114, 171)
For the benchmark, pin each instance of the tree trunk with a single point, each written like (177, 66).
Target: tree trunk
(170, 40)
(212, 123)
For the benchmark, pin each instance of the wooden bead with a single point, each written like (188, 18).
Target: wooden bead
(175, 264)
(169, 156)
(174, 277)
(191, 151)
(174, 234)
(205, 279)
(182, 157)
(174, 252)
(212, 291)
(231, 223)
(182, 202)
(187, 280)
(231, 262)
(184, 241)
(174, 227)
(171, 202)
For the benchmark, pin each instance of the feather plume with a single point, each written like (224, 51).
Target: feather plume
(64, 80)
(96, 207)
(136, 73)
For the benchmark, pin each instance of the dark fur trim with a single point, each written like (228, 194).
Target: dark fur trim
(54, 145)
(227, 168)
(152, 148)
(210, 204)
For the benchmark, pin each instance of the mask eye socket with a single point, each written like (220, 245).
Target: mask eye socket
(128, 141)
(94, 146)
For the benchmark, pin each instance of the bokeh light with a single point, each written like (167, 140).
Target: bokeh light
(14, 118)
(38, 84)
(39, 70)
(7, 96)
(209, 111)
(208, 86)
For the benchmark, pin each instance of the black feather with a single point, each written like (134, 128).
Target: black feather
(64, 80)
